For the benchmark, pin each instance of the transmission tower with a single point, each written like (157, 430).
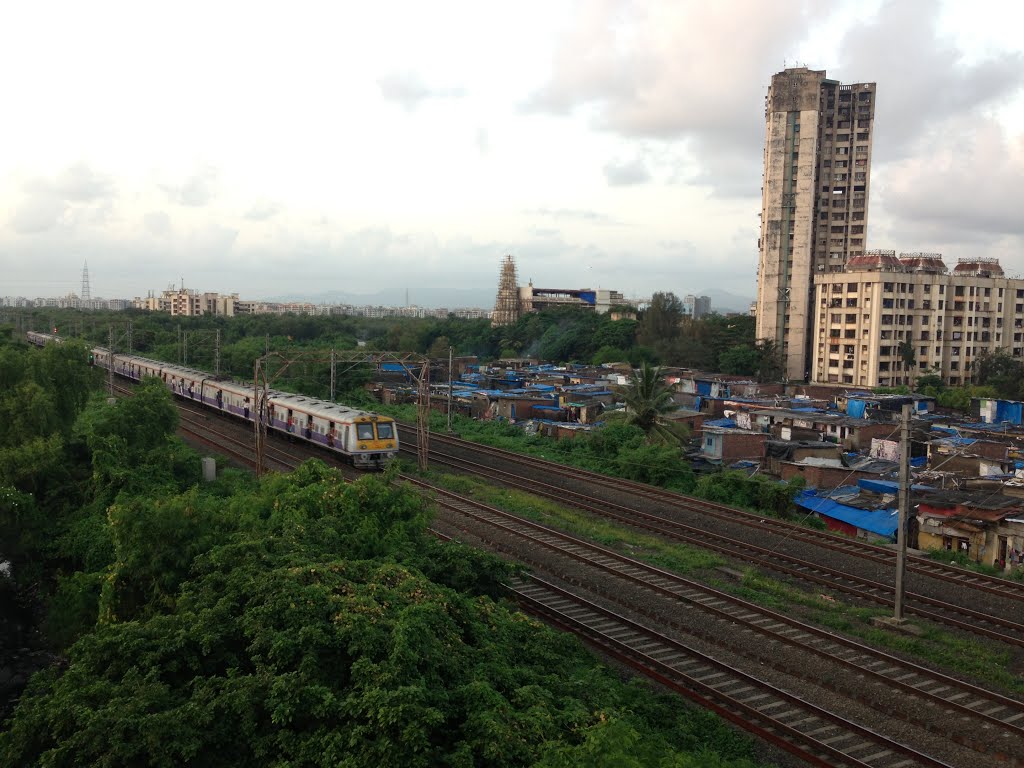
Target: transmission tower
(506, 305)
(85, 282)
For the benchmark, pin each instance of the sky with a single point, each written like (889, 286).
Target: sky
(359, 151)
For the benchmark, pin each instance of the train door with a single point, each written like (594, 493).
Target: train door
(309, 427)
(272, 409)
(220, 399)
(245, 409)
(330, 434)
(291, 421)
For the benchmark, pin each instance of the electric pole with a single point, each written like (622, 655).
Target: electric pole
(110, 367)
(450, 389)
(904, 511)
(332, 374)
(216, 354)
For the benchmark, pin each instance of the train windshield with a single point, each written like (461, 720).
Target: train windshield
(384, 430)
(364, 431)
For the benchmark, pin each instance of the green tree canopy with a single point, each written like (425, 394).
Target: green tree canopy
(647, 400)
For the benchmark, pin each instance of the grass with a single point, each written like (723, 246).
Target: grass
(679, 558)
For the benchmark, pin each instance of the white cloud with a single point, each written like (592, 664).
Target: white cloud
(408, 90)
(627, 173)
(333, 146)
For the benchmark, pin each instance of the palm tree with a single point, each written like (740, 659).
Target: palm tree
(647, 399)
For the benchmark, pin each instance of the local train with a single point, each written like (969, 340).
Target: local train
(368, 440)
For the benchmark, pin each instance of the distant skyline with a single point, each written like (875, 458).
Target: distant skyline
(367, 149)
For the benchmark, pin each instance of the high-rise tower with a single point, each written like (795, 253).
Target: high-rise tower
(506, 304)
(814, 200)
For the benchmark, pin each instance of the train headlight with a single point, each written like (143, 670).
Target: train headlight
(362, 447)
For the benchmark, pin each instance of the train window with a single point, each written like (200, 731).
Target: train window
(364, 431)
(384, 430)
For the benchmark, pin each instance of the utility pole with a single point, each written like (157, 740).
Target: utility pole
(184, 349)
(110, 367)
(332, 374)
(216, 354)
(904, 512)
(179, 343)
(129, 337)
(267, 347)
(450, 388)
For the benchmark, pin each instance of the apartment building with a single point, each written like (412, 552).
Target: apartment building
(817, 163)
(886, 320)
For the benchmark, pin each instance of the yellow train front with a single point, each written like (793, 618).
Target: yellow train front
(367, 439)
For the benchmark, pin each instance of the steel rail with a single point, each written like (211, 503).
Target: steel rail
(975, 622)
(922, 565)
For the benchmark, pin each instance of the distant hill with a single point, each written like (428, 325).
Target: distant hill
(450, 297)
(723, 301)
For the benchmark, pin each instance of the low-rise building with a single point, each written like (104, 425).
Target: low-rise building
(727, 444)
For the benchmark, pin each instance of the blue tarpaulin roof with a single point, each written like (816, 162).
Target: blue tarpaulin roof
(728, 423)
(887, 486)
(881, 521)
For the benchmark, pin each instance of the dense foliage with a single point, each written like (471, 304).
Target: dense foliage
(660, 334)
(292, 621)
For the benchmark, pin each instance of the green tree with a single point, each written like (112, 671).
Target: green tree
(660, 324)
(647, 400)
(769, 361)
(307, 634)
(1002, 372)
(741, 361)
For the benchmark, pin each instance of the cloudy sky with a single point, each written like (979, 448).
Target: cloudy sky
(366, 149)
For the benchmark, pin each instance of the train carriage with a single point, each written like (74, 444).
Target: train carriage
(367, 439)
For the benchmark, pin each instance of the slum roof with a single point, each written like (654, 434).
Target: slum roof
(978, 502)
(884, 522)
(888, 486)
(863, 463)
(724, 423)
(784, 449)
(824, 417)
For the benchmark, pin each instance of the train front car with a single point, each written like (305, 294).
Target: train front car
(376, 440)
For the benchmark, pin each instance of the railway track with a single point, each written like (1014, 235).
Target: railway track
(813, 734)
(789, 531)
(997, 721)
(864, 590)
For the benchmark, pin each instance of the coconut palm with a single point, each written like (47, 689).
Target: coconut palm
(647, 399)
